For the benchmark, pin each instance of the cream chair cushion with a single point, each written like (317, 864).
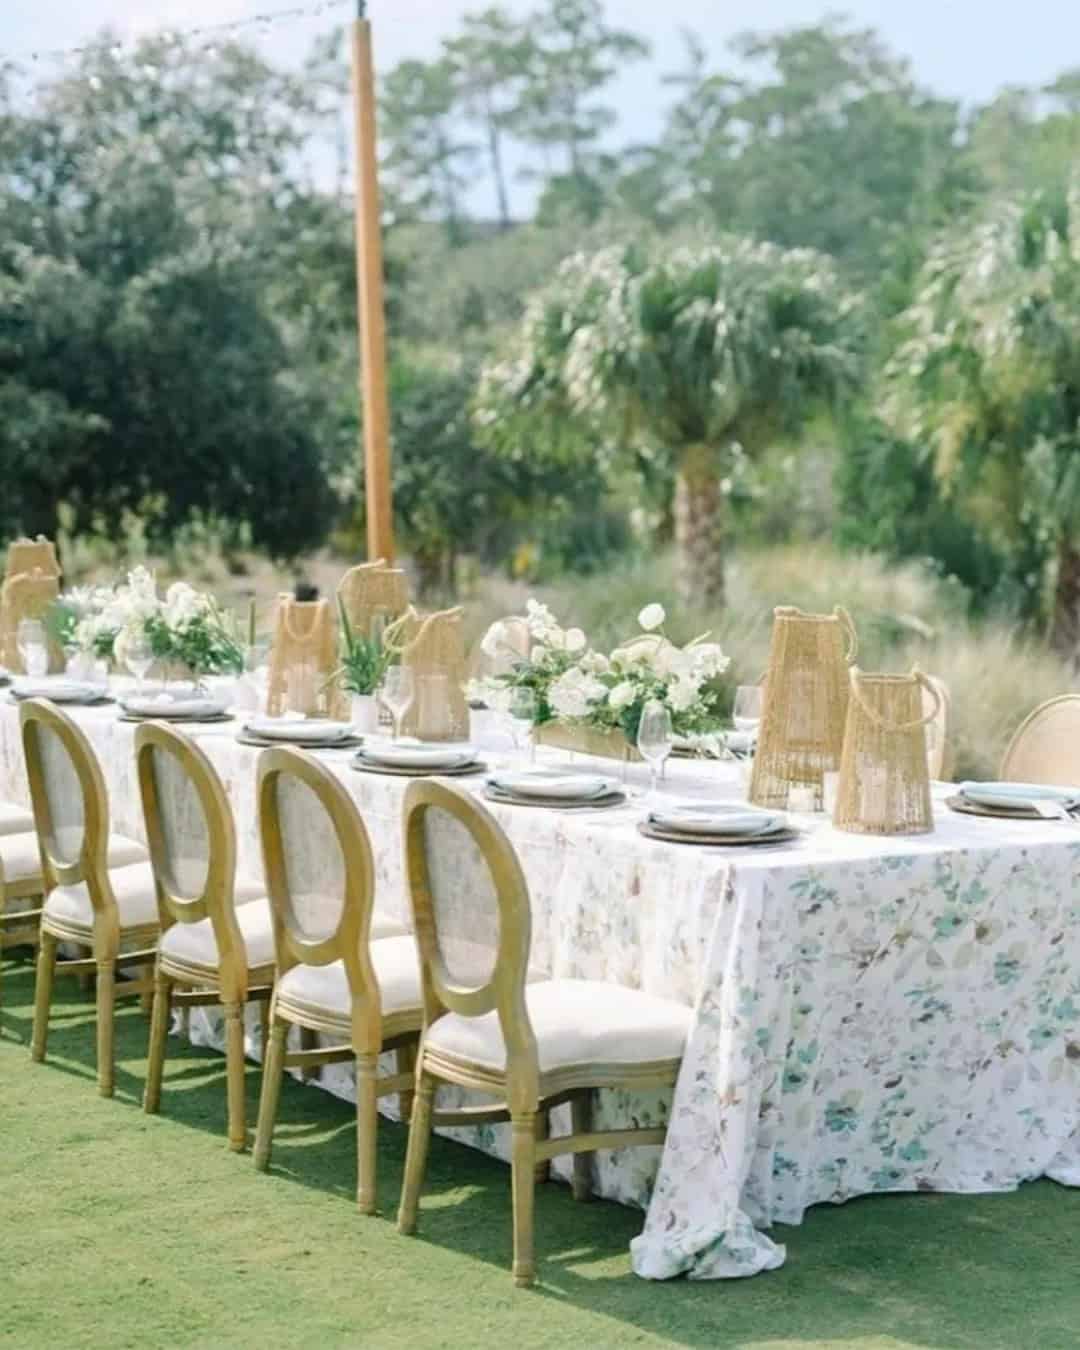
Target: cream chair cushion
(325, 988)
(136, 899)
(21, 857)
(575, 1022)
(14, 819)
(193, 944)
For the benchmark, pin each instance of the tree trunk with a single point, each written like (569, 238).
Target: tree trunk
(1065, 625)
(699, 528)
(498, 173)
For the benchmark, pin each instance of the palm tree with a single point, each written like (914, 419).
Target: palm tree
(704, 353)
(987, 380)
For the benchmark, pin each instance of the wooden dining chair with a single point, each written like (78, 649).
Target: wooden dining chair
(1046, 746)
(22, 890)
(216, 946)
(343, 971)
(487, 1027)
(937, 730)
(99, 888)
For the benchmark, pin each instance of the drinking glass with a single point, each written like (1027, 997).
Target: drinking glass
(654, 738)
(746, 714)
(33, 644)
(138, 657)
(521, 714)
(396, 691)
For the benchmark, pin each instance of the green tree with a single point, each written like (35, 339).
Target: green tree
(137, 346)
(986, 382)
(705, 354)
(425, 158)
(490, 59)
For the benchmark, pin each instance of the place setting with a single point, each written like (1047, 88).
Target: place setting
(1016, 801)
(716, 824)
(168, 705)
(59, 689)
(554, 788)
(409, 757)
(295, 729)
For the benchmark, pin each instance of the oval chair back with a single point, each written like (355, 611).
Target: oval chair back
(320, 877)
(1046, 746)
(470, 905)
(70, 803)
(191, 837)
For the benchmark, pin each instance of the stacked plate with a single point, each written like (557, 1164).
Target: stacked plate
(409, 758)
(168, 707)
(715, 745)
(316, 733)
(1017, 801)
(60, 689)
(716, 823)
(553, 787)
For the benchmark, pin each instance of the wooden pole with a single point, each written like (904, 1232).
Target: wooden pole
(370, 314)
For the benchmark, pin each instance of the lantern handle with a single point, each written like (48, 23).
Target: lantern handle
(923, 681)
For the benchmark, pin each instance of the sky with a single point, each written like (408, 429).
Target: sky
(965, 49)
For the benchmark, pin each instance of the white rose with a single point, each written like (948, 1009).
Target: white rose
(652, 616)
(574, 640)
(621, 696)
(682, 695)
(709, 659)
(494, 639)
(596, 663)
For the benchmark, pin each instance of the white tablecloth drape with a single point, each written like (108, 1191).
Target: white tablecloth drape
(871, 1014)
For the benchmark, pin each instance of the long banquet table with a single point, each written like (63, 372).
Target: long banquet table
(871, 1014)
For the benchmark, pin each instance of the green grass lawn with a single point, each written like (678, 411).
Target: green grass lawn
(122, 1229)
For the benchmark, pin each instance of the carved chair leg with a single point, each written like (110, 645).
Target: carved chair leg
(309, 1040)
(106, 1027)
(581, 1123)
(367, 1117)
(159, 1032)
(146, 1000)
(234, 1072)
(85, 978)
(46, 967)
(523, 1180)
(273, 1067)
(542, 1172)
(405, 1062)
(416, 1157)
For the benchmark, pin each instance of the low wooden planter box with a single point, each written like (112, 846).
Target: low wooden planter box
(588, 741)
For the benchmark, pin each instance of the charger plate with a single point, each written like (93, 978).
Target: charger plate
(15, 698)
(211, 719)
(784, 836)
(969, 808)
(556, 803)
(461, 771)
(268, 742)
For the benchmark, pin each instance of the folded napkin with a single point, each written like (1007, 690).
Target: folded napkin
(1016, 796)
(158, 705)
(418, 754)
(550, 783)
(717, 818)
(59, 689)
(298, 728)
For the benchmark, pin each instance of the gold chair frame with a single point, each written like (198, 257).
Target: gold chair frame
(1055, 711)
(90, 867)
(527, 1096)
(233, 984)
(370, 1032)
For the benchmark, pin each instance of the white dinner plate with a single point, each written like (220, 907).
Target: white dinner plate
(1017, 796)
(717, 819)
(297, 729)
(551, 784)
(419, 754)
(173, 708)
(59, 689)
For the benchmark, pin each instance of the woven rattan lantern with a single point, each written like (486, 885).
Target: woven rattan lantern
(433, 649)
(805, 704)
(304, 660)
(31, 555)
(373, 591)
(884, 784)
(26, 595)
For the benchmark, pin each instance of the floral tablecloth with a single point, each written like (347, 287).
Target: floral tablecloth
(871, 1014)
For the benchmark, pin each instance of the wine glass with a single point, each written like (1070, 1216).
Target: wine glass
(138, 657)
(396, 691)
(33, 644)
(521, 714)
(654, 738)
(746, 715)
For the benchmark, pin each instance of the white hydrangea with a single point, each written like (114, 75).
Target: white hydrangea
(574, 691)
(622, 695)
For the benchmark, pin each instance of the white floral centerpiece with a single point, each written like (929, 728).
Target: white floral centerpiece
(81, 623)
(187, 628)
(576, 686)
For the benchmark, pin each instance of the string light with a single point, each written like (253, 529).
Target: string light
(215, 32)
